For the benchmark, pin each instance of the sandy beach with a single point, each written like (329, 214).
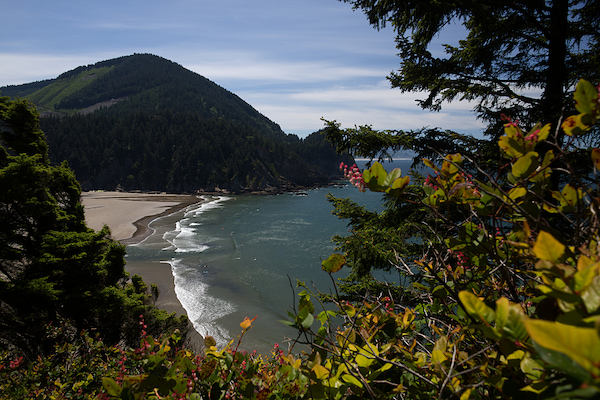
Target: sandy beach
(128, 215)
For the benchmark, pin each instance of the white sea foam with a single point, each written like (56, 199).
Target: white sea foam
(184, 239)
(202, 309)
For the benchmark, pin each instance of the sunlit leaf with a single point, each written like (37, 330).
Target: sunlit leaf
(502, 310)
(544, 132)
(475, 307)
(507, 143)
(398, 186)
(450, 164)
(548, 248)
(517, 192)
(575, 125)
(375, 176)
(438, 356)
(320, 371)
(392, 176)
(525, 165)
(351, 380)
(571, 195)
(431, 165)
(247, 323)
(532, 369)
(591, 295)
(582, 345)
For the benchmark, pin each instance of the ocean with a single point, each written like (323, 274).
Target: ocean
(240, 256)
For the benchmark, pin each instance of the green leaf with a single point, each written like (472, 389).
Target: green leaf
(525, 165)
(351, 380)
(398, 186)
(307, 321)
(364, 361)
(450, 164)
(392, 176)
(517, 192)
(571, 196)
(548, 248)
(591, 295)
(509, 145)
(476, 307)
(582, 345)
(531, 368)
(586, 97)
(333, 263)
(502, 311)
(375, 176)
(562, 362)
(112, 388)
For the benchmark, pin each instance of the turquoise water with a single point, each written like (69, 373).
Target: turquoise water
(240, 256)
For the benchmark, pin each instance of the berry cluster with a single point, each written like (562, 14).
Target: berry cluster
(354, 175)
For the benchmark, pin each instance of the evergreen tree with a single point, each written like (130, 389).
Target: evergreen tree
(53, 268)
(511, 52)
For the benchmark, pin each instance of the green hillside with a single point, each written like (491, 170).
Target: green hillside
(142, 122)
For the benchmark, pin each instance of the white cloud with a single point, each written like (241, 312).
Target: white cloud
(17, 68)
(383, 108)
(243, 67)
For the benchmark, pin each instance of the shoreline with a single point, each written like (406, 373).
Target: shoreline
(128, 216)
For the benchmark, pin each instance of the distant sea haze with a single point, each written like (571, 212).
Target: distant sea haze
(240, 256)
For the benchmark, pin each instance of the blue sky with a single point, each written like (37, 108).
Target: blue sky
(295, 61)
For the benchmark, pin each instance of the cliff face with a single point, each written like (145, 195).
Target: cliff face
(145, 123)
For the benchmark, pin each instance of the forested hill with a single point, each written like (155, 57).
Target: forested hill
(142, 122)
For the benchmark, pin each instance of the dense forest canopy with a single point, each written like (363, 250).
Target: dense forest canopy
(141, 122)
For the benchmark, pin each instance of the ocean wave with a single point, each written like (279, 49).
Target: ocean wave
(202, 309)
(184, 238)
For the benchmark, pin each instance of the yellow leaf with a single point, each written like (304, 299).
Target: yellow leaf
(582, 345)
(320, 371)
(351, 380)
(438, 356)
(575, 125)
(583, 262)
(517, 192)
(586, 97)
(548, 248)
(431, 165)
(525, 165)
(544, 132)
(247, 323)
(585, 274)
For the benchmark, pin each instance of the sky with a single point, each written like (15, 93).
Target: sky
(295, 61)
